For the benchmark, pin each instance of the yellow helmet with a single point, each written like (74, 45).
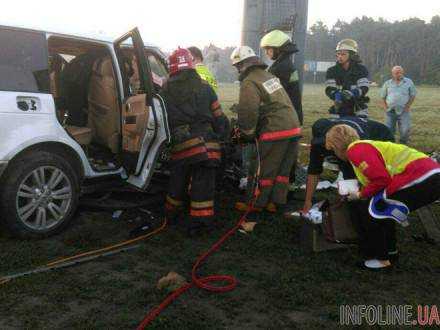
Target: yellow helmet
(275, 39)
(347, 44)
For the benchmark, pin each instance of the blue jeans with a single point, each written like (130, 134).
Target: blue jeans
(403, 121)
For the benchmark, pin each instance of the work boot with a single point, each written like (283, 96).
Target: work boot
(243, 207)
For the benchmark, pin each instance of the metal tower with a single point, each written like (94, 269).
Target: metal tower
(290, 16)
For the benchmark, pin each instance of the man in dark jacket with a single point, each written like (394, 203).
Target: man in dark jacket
(265, 112)
(197, 123)
(347, 82)
(280, 48)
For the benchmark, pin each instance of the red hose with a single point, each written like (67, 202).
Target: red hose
(201, 282)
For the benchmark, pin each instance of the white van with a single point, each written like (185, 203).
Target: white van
(71, 109)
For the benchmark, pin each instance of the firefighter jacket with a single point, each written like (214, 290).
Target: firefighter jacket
(206, 75)
(355, 78)
(264, 109)
(195, 117)
(284, 69)
(384, 165)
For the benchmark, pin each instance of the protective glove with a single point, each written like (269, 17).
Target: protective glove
(347, 95)
(356, 92)
(353, 195)
(338, 96)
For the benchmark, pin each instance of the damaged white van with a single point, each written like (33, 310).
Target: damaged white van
(72, 109)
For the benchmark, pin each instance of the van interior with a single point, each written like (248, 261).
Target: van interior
(85, 87)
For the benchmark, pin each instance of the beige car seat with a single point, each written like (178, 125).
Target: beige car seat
(104, 112)
(82, 135)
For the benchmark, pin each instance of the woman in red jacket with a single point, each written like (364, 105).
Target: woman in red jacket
(395, 180)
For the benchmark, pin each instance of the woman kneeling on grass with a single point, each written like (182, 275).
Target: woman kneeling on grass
(395, 180)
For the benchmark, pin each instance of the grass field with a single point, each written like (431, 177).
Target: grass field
(280, 286)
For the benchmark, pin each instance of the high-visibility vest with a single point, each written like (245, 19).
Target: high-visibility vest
(206, 75)
(396, 157)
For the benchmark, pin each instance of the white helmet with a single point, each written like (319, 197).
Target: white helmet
(241, 53)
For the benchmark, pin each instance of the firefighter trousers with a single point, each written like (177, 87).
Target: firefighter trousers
(276, 159)
(191, 186)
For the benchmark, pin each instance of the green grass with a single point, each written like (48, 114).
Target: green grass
(280, 285)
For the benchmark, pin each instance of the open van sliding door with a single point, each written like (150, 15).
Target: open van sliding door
(143, 119)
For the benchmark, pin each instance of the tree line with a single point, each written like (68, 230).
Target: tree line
(413, 43)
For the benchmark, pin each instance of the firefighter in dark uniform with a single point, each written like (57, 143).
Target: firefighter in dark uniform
(280, 48)
(266, 113)
(197, 123)
(347, 82)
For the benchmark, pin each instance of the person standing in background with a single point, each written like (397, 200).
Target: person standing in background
(398, 94)
(202, 69)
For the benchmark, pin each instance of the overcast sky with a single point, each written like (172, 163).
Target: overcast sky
(169, 23)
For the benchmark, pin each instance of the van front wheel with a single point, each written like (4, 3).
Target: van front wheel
(39, 195)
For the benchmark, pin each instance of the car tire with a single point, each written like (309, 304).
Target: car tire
(39, 195)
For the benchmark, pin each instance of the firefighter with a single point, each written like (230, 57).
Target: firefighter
(196, 122)
(202, 69)
(265, 112)
(347, 82)
(279, 47)
(395, 180)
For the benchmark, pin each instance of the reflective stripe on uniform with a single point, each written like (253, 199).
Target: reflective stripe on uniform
(363, 82)
(202, 205)
(266, 182)
(214, 150)
(187, 144)
(282, 179)
(173, 201)
(202, 213)
(189, 153)
(278, 135)
(330, 82)
(172, 204)
(213, 145)
(214, 155)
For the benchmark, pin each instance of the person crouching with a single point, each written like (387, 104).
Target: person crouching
(395, 180)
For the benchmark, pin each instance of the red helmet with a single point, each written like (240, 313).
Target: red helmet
(180, 59)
